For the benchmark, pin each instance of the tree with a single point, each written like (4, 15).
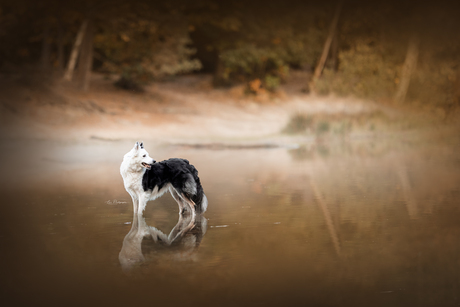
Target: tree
(327, 45)
(143, 42)
(75, 51)
(46, 49)
(408, 68)
(86, 57)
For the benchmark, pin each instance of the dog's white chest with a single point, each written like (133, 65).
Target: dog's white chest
(134, 184)
(132, 180)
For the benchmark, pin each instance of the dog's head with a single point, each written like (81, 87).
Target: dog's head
(140, 157)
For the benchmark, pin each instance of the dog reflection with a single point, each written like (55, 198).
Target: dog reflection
(181, 242)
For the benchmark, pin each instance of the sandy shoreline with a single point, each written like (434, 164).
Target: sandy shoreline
(181, 111)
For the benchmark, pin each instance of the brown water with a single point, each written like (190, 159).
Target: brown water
(362, 223)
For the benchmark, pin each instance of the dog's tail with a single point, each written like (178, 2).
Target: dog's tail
(203, 205)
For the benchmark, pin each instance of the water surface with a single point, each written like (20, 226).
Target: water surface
(369, 223)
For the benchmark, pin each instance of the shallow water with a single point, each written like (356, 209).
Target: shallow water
(368, 223)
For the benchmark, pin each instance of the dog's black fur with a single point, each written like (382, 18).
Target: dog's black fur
(177, 172)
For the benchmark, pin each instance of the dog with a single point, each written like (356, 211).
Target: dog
(145, 180)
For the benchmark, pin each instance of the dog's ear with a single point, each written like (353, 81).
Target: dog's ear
(141, 145)
(136, 146)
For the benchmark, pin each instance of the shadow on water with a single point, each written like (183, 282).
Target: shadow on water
(364, 223)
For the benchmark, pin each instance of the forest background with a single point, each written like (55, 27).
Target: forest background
(390, 52)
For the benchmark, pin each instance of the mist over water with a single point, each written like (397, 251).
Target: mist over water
(370, 222)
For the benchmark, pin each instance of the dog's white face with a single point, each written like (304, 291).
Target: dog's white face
(139, 157)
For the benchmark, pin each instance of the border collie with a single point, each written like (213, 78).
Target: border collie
(146, 180)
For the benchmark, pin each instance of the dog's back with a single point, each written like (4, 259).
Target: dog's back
(181, 175)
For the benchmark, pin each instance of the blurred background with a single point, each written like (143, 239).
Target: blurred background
(97, 64)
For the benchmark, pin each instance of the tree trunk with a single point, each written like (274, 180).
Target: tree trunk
(333, 58)
(218, 73)
(409, 66)
(453, 104)
(46, 49)
(85, 62)
(60, 49)
(75, 51)
(327, 45)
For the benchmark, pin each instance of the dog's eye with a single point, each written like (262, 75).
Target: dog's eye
(144, 156)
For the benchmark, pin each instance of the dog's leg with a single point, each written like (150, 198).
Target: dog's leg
(178, 199)
(135, 203)
(142, 204)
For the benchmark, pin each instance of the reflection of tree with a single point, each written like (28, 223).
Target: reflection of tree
(411, 203)
(327, 216)
(182, 240)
